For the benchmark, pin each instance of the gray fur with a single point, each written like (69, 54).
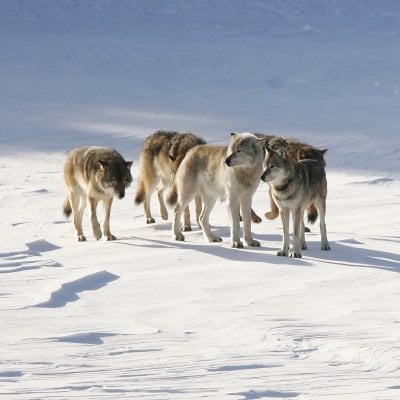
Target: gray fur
(295, 185)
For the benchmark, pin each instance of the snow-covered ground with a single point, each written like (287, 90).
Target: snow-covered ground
(148, 317)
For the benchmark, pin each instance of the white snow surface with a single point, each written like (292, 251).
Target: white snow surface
(146, 317)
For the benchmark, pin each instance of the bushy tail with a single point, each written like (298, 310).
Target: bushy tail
(312, 214)
(140, 193)
(172, 197)
(67, 210)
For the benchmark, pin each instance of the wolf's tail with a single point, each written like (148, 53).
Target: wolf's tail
(172, 197)
(67, 210)
(140, 193)
(312, 214)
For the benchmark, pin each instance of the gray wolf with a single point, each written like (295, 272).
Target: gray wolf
(92, 174)
(295, 185)
(227, 172)
(159, 159)
(298, 151)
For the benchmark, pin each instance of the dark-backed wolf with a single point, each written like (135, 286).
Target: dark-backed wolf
(298, 151)
(92, 174)
(227, 172)
(295, 185)
(160, 157)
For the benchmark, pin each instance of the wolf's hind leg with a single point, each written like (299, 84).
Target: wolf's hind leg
(176, 223)
(208, 205)
(106, 225)
(321, 207)
(187, 227)
(160, 195)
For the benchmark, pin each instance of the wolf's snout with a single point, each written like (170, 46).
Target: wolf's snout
(121, 193)
(264, 176)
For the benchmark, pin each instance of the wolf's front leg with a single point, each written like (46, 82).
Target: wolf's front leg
(106, 226)
(234, 212)
(245, 206)
(92, 203)
(78, 205)
(285, 214)
(297, 216)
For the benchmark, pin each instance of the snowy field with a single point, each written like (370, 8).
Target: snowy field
(146, 317)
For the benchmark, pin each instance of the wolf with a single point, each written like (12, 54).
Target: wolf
(227, 172)
(159, 159)
(299, 151)
(92, 174)
(295, 185)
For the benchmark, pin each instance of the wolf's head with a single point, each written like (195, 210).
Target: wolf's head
(244, 149)
(115, 176)
(278, 165)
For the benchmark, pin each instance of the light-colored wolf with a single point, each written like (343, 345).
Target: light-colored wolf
(295, 185)
(159, 159)
(92, 174)
(227, 172)
(298, 151)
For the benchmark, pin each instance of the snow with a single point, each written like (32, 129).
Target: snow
(146, 316)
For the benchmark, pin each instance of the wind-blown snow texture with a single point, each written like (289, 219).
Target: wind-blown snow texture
(148, 317)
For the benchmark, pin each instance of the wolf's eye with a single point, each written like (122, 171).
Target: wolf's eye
(238, 151)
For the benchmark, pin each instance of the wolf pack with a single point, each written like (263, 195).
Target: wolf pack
(182, 168)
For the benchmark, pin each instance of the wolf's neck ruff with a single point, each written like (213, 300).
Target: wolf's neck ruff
(282, 188)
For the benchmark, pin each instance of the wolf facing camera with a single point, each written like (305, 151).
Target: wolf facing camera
(94, 174)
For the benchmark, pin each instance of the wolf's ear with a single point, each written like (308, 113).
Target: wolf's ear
(301, 154)
(233, 134)
(323, 151)
(263, 141)
(128, 164)
(103, 164)
(281, 151)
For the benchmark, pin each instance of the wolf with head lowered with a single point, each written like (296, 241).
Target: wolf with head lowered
(160, 157)
(226, 172)
(295, 185)
(94, 174)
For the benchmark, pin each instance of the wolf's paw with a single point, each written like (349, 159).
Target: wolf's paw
(325, 246)
(164, 216)
(97, 235)
(307, 229)
(150, 220)
(180, 237)
(271, 215)
(81, 238)
(304, 246)
(253, 243)
(237, 245)
(110, 237)
(216, 239)
(295, 254)
(187, 228)
(282, 253)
